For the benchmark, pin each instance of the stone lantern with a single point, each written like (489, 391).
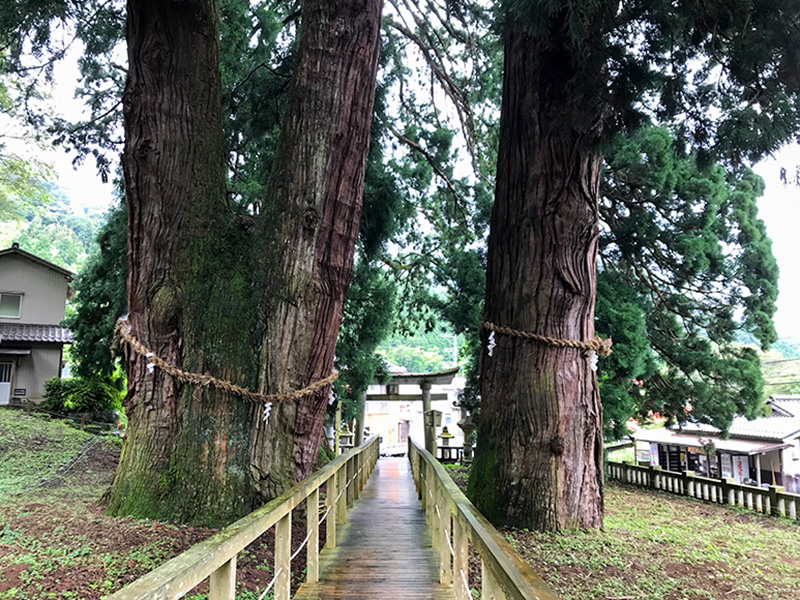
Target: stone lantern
(445, 436)
(447, 452)
(468, 427)
(345, 437)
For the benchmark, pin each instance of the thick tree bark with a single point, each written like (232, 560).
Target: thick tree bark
(195, 455)
(315, 193)
(175, 465)
(539, 456)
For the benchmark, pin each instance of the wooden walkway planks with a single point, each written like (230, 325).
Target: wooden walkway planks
(384, 550)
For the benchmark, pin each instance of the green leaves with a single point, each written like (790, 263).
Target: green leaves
(23, 185)
(101, 298)
(686, 264)
(83, 394)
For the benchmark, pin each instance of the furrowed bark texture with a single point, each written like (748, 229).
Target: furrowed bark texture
(195, 455)
(539, 455)
(179, 461)
(315, 194)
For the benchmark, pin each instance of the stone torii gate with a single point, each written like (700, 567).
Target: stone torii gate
(424, 381)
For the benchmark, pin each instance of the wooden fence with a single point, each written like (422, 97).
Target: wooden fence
(774, 501)
(455, 524)
(215, 558)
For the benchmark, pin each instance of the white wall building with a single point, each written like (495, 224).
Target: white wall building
(33, 296)
(396, 419)
(755, 450)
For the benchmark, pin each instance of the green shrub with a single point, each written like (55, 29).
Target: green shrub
(82, 394)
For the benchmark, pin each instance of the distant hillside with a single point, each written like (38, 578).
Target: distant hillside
(55, 232)
(788, 347)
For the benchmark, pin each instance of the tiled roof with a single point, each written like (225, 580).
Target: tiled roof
(665, 436)
(764, 428)
(15, 332)
(786, 405)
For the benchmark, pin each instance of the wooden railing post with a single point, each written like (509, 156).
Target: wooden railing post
(330, 508)
(728, 490)
(460, 562)
(436, 536)
(688, 484)
(445, 568)
(654, 476)
(341, 494)
(349, 482)
(420, 478)
(222, 583)
(312, 531)
(283, 553)
(356, 477)
(430, 501)
(777, 505)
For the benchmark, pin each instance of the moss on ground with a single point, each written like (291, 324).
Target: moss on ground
(40, 453)
(655, 546)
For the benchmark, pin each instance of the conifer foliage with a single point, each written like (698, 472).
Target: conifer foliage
(619, 165)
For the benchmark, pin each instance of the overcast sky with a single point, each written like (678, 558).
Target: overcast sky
(780, 210)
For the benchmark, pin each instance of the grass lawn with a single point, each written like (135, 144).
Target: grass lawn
(48, 458)
(55, 540)
(657, 546)
(57, 543)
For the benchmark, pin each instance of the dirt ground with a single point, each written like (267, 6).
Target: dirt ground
(56, 542)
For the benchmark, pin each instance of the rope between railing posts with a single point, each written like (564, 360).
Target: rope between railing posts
(449, 545)
(463, 580)
(271, 583)
(302, 544)
(325, 516)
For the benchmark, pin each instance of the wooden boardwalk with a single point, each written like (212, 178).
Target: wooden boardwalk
(384, 549)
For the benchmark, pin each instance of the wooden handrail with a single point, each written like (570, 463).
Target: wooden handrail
(344, 478)
(504, 574)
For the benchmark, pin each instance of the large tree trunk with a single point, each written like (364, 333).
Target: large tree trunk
(174, 465)
(539, 456)
(315, 190)
(195, 455)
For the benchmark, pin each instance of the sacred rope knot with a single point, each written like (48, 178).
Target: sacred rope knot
(124, 335)
(596, 344)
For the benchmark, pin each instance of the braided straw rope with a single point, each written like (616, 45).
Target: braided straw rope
(598, 344)
(122, 333)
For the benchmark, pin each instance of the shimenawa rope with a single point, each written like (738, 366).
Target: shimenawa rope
(597, 344)
(122, 333)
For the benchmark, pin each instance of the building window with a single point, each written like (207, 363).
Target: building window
(447, 419)
(10, 305)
